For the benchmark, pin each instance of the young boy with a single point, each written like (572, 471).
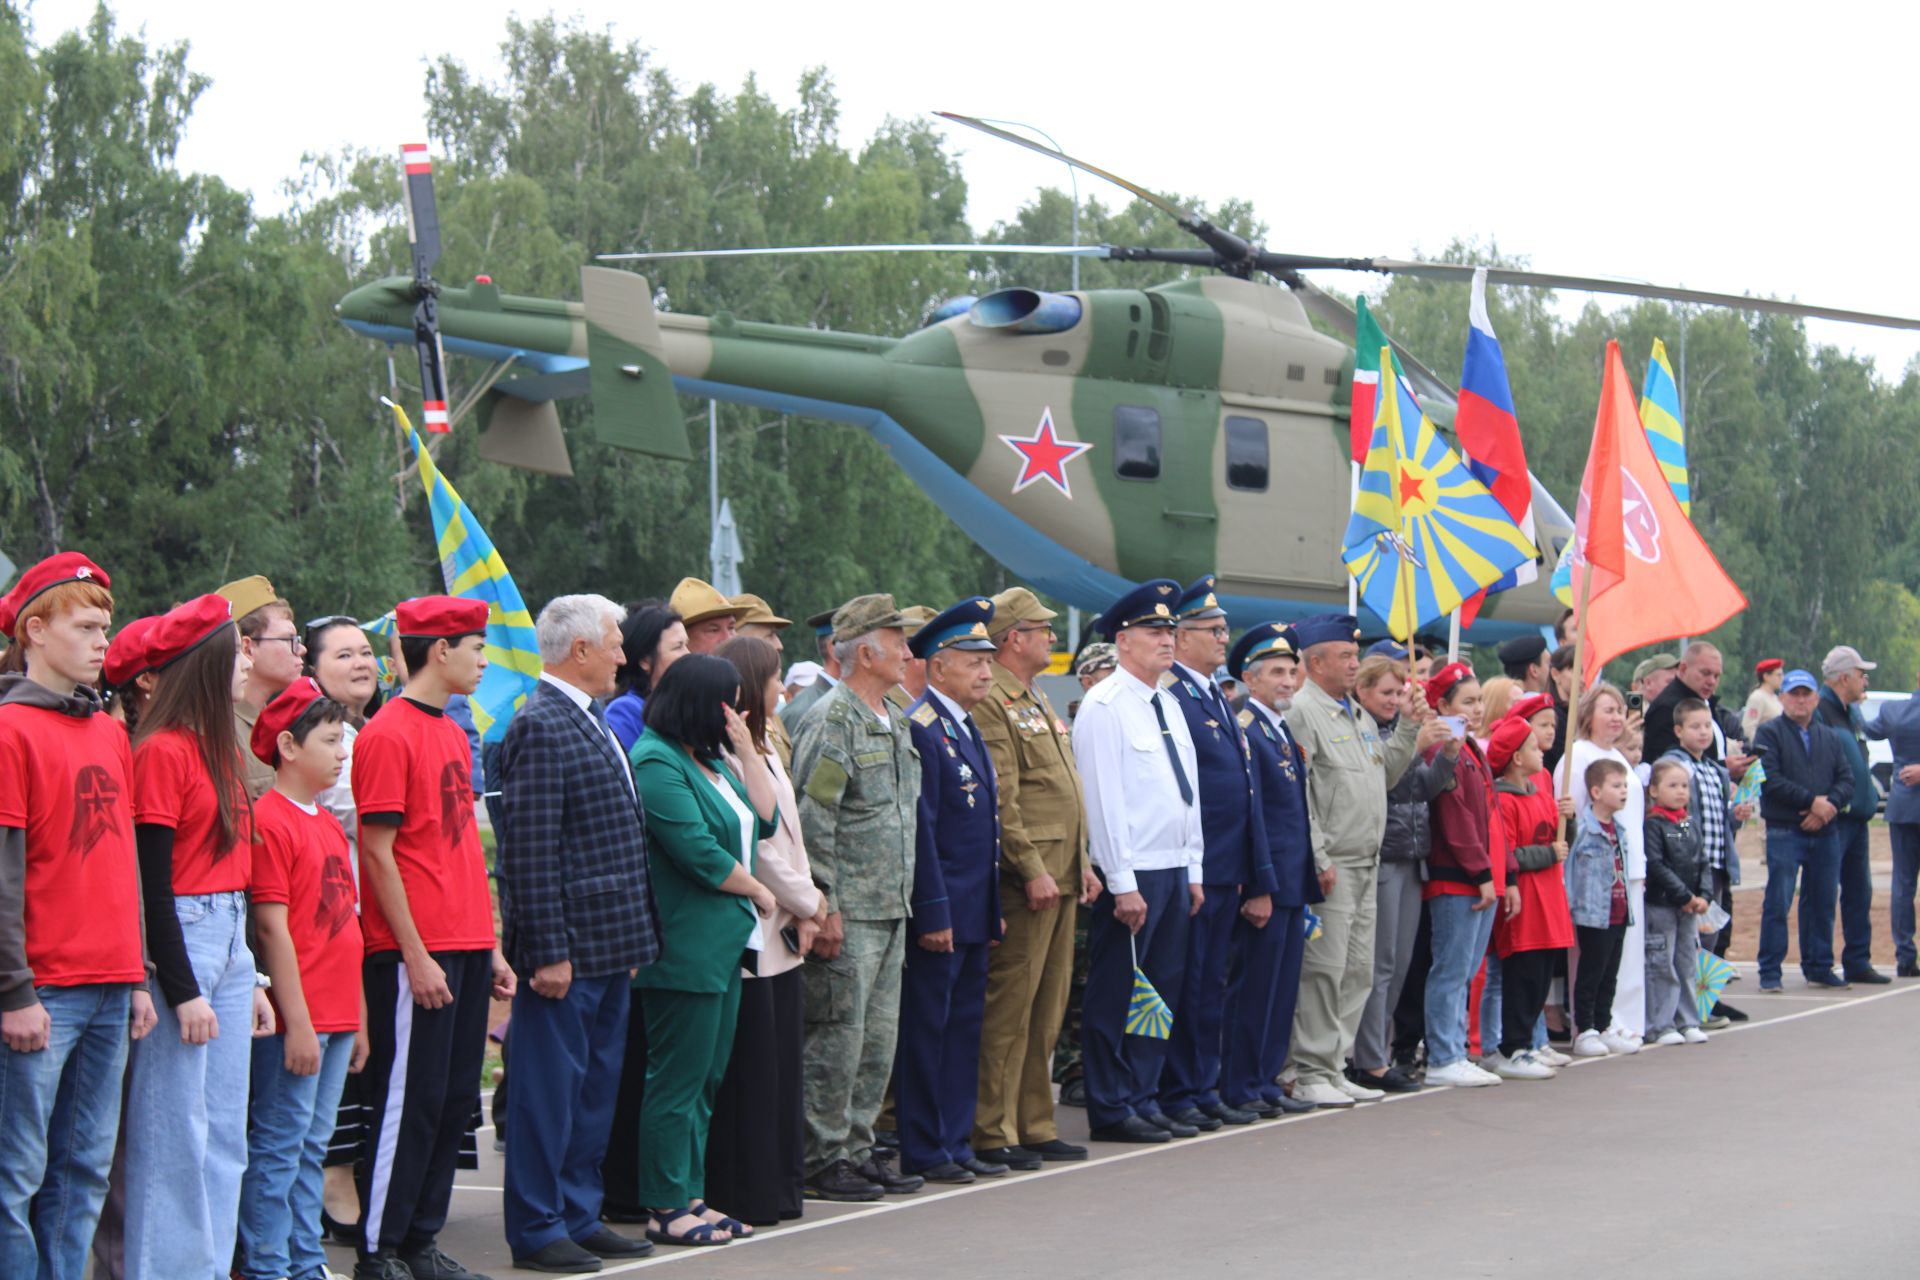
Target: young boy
(72, 959)
(431, 963)
(1528, 942)
(1676, 894)
(1597, 901)
(1712, 803)
(309, 937)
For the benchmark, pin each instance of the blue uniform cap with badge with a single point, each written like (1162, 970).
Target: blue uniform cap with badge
(1267, 640)
(1151, 604)
(1325, 628)
(1388, 648)
(960, 626)
(1199, 603)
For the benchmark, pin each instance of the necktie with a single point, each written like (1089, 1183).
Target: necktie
(1173, 751)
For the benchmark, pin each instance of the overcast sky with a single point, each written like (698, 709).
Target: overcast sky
(1707, 145)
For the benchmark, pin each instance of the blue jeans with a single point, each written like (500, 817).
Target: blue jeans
(1460, 937)
(1906, 882)
(1856, 896)
(186, 1109)
(1789, 852)
(292, 1120)
(59, 1114)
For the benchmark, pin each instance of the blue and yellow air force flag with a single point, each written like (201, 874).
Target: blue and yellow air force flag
(473, 569)
(1147, 1013)
(1424, 534)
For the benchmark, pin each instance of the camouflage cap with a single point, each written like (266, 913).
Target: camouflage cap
(1658, 662)
(758, 611)
(1099, 656)
(1016, 605)
(862, 614)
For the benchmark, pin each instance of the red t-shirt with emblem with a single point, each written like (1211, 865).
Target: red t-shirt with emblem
(171, 788)
(67, 781)
(412, 761)
(300, 860)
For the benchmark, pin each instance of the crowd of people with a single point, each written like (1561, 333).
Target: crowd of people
(768, 938)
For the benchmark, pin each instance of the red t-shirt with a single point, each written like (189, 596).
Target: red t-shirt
(171, 788)
(67, 782)
(301, 861)
(1545, 922)
(414, 762)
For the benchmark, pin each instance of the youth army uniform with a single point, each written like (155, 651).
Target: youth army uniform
(860, 788)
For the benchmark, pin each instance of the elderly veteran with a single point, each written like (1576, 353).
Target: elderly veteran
(1266, 953)
(1236, 869)
(711, 618)
(827, 675)
(1138, 766)
(1349, 770)
(859, 781)
(1044, 877)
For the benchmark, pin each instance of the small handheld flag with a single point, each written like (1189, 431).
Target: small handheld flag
(1147, 1014)
(1711, 974)
(1748, 792)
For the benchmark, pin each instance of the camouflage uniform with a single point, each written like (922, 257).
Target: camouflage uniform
(860, 785)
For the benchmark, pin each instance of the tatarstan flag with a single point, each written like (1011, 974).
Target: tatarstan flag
(1367, 341)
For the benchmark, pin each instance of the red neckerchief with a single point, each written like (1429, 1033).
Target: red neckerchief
(1671, 815)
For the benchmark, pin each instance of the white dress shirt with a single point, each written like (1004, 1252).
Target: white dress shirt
(1136, 820)
(583, 700)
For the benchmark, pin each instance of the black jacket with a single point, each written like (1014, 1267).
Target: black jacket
(1662, 737)
(1407, 838)
(1797, 772)
(1676, 862)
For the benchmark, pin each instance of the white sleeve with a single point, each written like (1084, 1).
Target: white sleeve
(1099, 752)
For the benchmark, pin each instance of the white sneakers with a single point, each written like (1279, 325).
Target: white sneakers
(1358, 1092)
(1461, 1075)
(1321, 1095)
(1588, 1044)
(1619, 1041)
(1694, 1035)
(1551, 1056)
(1522, 1066)
(1670, 1036)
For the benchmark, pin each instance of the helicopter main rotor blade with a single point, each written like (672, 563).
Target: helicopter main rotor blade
(1428, 386)
(1050, 250)
(1635, 289)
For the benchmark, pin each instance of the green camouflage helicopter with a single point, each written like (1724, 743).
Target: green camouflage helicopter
(1088, 440)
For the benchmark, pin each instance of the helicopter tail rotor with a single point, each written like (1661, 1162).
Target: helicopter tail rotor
(423, 234)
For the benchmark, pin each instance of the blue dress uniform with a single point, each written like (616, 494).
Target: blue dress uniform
(1236, 866)
(1265, 981)
(956, 885)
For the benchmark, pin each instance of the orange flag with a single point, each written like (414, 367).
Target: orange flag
(1654, 578)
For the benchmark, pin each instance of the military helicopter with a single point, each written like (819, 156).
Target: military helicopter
(1087, 440)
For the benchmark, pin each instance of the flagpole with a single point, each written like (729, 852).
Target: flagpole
(1453, 636)
(1353, 500)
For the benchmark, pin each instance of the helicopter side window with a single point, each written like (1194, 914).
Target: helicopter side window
(1136, 442)
(1247, 454)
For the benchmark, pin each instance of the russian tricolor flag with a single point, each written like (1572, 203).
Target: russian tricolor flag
(1489, 434)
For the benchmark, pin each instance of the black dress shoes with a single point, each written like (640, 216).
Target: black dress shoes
(1018, 1159)
(611, 1244)
(840, 1181)
(1870, 976)
(878, 1169)
(985, 1168)
(1393, 1080)
(1227, 1115)
(1180, 1128)
(1909, 969)
(1131, 1129)
(1258, 1108)
(949, 1172)
(1293, 1106)
(562, 1257)
(1054, 1149)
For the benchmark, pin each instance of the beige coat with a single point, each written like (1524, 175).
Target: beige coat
(780, 863)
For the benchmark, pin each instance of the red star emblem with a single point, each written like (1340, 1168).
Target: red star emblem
(1413, 488)
(1044, 456)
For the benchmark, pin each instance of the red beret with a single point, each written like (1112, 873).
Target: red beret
(66, 566)
(128, 655)
(1765, 665)
(1508, 737)
(185, 627)
(1441, 682)
(278, 716)
(440, 617)
(1530, 706)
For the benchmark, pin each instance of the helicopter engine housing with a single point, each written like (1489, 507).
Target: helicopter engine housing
(1026, 311)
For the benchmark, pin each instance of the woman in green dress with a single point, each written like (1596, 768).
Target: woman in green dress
(705, 815)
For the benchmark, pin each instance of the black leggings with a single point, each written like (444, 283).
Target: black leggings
(1524, 979)
(1595, 974)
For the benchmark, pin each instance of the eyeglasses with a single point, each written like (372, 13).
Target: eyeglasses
(1035, 626)
(1218, 633)
(294, 643)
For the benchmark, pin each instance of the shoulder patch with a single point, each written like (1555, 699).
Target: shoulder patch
(827, 783)
(924, 715)
(1245, 718)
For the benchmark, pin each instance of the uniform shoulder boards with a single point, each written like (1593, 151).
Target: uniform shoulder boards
(1245, 717)
(924, 715)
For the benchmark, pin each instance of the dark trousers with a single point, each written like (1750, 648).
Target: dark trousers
(423, 1083)
(1594, 976)
(1525, 977)
(1191, 1076)
(1123, 1071)
(620, 1167)
(1812, 859)
(1906, 882)
(566, 1059)
(1856, 896)
(1722, 894)
(1410, 1015)
(756, 1153)
(1263, 986)
(936, 1071)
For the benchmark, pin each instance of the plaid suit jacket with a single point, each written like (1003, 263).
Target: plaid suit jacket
(572, 848)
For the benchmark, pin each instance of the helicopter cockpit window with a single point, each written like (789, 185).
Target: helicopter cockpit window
(1136, 442)
(1247, 454)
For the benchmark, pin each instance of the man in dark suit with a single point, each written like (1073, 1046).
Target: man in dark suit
(1899, 724)
(956, 903)
(577, 915)
(1237, 872)
(1807, 785)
